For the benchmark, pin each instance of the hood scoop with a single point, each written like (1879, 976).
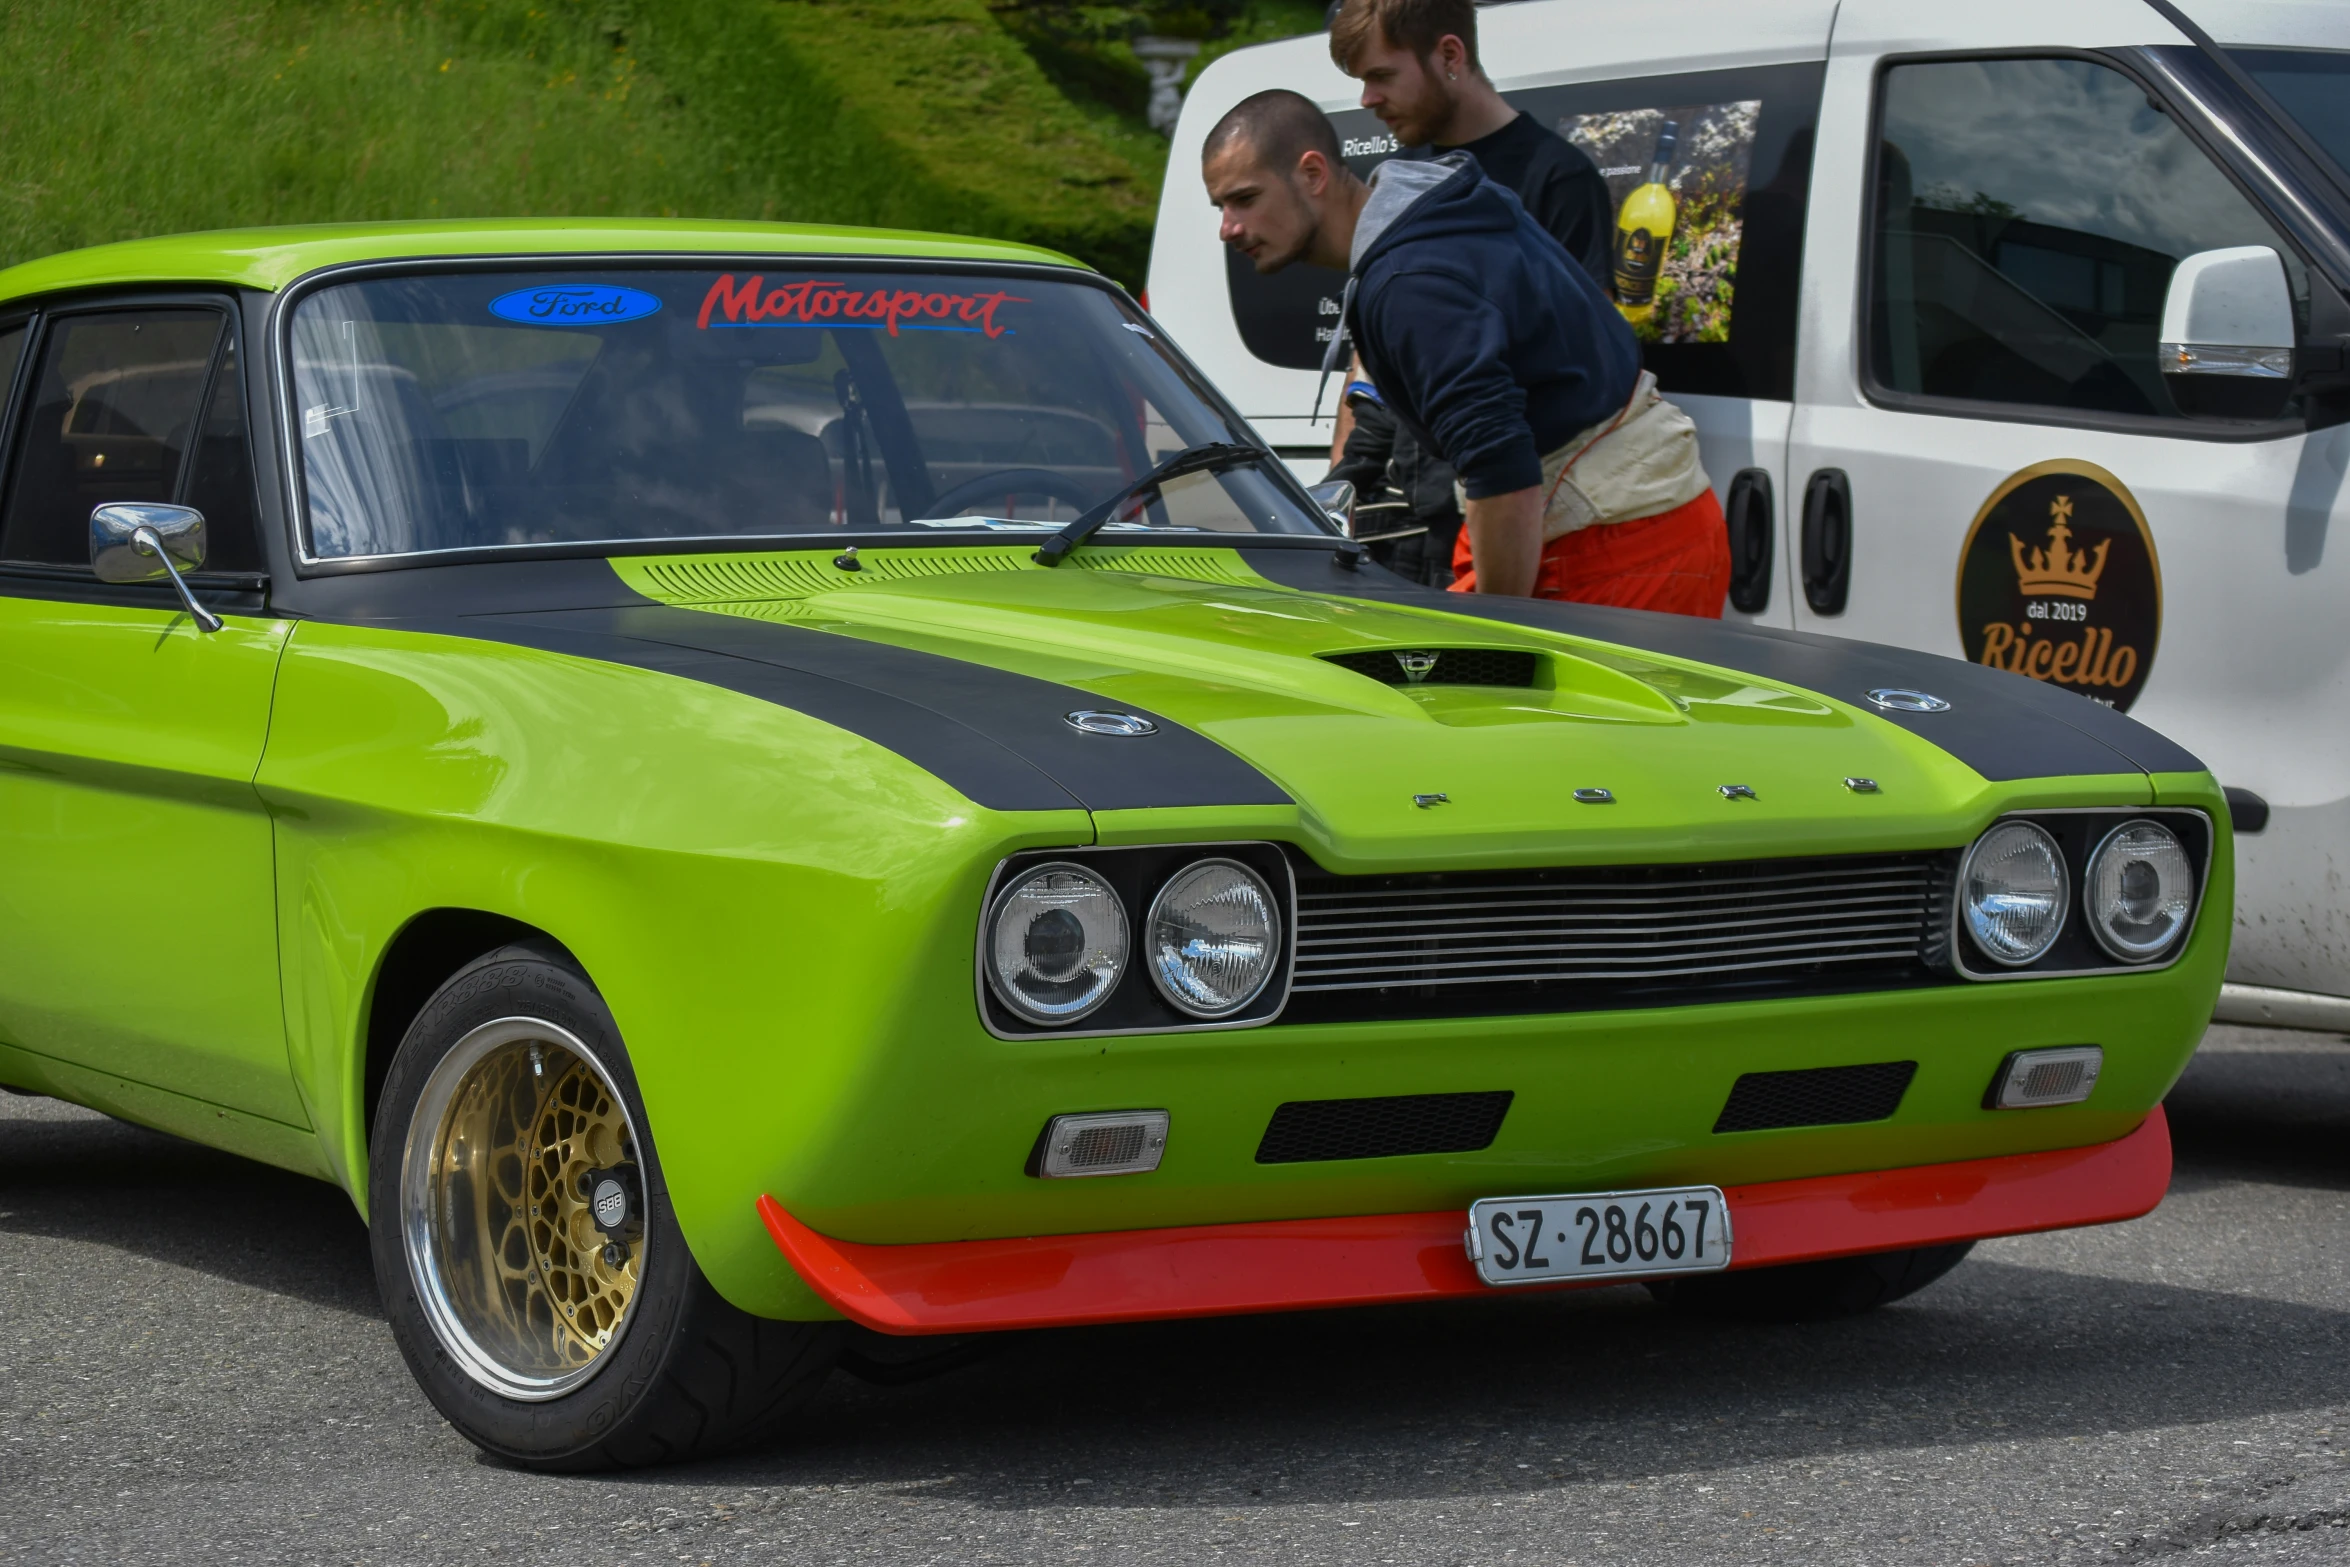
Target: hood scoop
(1516, 668)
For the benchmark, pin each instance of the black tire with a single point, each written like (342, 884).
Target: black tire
(680, 1373)
(1811, 1291)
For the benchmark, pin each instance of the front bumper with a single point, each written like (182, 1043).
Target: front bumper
(1300, 1264)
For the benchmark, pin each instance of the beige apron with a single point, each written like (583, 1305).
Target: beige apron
(1640, 463)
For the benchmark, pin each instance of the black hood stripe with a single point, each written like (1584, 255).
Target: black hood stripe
(990, 774)
(2003, 726)
(1024, 717)
(999, 737)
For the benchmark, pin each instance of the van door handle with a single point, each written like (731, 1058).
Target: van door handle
(1752, 544)
(1827, 541)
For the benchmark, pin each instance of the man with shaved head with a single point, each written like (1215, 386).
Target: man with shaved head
(1278, 145)
(1497, 350)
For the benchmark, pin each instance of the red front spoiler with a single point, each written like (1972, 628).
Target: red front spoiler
(1296, 1264)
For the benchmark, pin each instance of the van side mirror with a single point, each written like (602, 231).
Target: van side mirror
(139, 541)
(2226, 347)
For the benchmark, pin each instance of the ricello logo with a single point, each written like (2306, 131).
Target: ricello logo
(2089, 660)
(2058, 568)
(2058, 581)
(805, 302)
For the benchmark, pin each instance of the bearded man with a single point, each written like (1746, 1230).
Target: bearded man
(1495, 349)
(1417, 61)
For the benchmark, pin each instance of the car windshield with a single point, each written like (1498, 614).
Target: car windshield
(2313, 86)
(449, 411)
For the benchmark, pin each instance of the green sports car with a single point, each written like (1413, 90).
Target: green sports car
(742, 788)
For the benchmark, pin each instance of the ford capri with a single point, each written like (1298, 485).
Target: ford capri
(754, 793)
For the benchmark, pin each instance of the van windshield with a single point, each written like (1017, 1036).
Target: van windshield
(2313, 85)
(450, 411)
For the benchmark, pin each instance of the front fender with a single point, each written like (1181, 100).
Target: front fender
(744, 884)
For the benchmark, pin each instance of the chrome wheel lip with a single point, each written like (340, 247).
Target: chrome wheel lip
(416, 1206)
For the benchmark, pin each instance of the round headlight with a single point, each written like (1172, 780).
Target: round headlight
(2141, 890)
(2013, 892)
(1056, 944)
(1214, 935)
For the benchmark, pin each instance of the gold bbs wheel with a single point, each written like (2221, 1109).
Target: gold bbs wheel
(522, 1208)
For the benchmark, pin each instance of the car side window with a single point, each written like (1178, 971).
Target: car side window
(220, 476)
(111, 416)
(2029, 214)
(11, 345)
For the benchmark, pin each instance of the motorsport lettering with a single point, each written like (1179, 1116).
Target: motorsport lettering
(813, 300)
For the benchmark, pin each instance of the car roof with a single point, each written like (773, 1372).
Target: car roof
(270, 258)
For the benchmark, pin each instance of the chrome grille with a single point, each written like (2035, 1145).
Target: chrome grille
(1607, 935)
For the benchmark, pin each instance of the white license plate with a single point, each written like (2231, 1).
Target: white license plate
(1597, 1235)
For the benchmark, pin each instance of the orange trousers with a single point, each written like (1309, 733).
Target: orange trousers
(1677, 561)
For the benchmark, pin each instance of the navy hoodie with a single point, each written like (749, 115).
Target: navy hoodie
(1488, 341)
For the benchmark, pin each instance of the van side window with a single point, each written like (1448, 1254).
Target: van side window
(111, 415)
(1733, 149)
(2029, 214)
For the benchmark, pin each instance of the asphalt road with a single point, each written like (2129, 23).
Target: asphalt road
(193, 1368)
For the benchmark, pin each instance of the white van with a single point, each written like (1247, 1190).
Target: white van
(2013, 331)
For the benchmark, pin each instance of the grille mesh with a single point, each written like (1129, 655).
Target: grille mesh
(1561, 939)
(1310, 1129)
(1816, 1096)
(1454, 666)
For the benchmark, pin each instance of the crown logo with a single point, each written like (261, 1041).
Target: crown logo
(2059, 569)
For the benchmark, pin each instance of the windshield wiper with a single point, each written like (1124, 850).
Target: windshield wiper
(1209, 457)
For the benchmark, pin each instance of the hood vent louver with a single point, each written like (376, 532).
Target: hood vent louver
(722, 582)
(1443, 666)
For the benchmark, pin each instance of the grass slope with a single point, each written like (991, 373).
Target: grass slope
(140, 117)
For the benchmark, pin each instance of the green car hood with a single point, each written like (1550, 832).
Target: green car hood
(1674, 757)
(1281, 710)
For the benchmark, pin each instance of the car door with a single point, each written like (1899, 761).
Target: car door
(137, 911)
(1981, 425)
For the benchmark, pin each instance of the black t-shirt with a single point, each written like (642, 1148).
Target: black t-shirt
(1558, 183)
(1562, 188)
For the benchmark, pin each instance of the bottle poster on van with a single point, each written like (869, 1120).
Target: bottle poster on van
(1676, 177)
(2059, 581)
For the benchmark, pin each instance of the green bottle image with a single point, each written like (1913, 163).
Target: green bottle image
(1644, 226)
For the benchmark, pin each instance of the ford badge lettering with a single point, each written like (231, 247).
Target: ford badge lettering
(574, 304)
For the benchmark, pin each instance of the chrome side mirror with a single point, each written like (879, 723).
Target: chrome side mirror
(1336, 497)
(139, 541)
(2226, 347)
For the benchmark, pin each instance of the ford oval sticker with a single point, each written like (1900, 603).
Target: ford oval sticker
(574, 304)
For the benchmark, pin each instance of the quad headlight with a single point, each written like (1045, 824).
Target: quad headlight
(1214, 936)
(2014, 892)
(1065, 940)
(2140, 892)
(1056, 943)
